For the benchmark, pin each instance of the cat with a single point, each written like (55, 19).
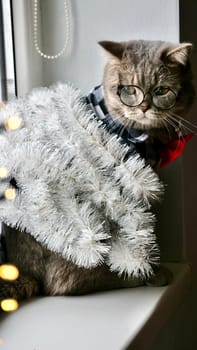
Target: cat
(147, 90)
(153, 80)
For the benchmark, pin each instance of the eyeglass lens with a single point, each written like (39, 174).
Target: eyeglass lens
(162, 97)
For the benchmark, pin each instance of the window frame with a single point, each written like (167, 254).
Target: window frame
(7, 59)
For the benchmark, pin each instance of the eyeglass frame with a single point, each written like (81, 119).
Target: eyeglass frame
(144, 94)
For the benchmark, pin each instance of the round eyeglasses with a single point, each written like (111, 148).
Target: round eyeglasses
(163, 97)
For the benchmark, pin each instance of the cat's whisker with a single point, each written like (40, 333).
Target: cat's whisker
(122, 128)
(180, 136)
(186, 127)
(172, 122)
(162, 120)
(173, 125)
(176, 119)
(168, 122)
(165, 124)
(128, 124)
(176, 116)
(177, 128)
(189, 129)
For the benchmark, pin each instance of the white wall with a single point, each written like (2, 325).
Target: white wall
(28, 63)
(104, 19)
(92, 21)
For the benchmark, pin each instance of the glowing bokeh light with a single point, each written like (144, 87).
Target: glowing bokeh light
(13, 123)
(9, 272)
(10, 193)
(9, 305)
(3, 172)
(1, 341)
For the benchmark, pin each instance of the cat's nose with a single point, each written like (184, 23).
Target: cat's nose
(146, 102)
(144, 107)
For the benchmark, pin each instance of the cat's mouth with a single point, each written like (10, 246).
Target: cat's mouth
(145, 120)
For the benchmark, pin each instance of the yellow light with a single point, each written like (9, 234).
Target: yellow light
(10, 193)
(9, 305)
(3, 172)
(1, 341)
(9, 272)
(13, 123)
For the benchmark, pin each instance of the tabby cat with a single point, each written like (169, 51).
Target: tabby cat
(147, 90)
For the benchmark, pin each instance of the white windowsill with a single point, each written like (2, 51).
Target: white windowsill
(108, 321)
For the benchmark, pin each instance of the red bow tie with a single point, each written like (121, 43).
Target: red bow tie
(174, 149)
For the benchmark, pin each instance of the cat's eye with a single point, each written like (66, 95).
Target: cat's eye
(163, 97)
(131, 90)
(130, 95)
(161, 90)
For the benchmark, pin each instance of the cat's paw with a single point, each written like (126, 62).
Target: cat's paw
(6, 290)
(162, 276)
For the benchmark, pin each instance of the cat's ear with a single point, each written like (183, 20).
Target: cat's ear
(112, 48)
(179, 54)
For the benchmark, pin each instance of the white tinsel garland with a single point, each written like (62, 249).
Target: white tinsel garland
(76, 194)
